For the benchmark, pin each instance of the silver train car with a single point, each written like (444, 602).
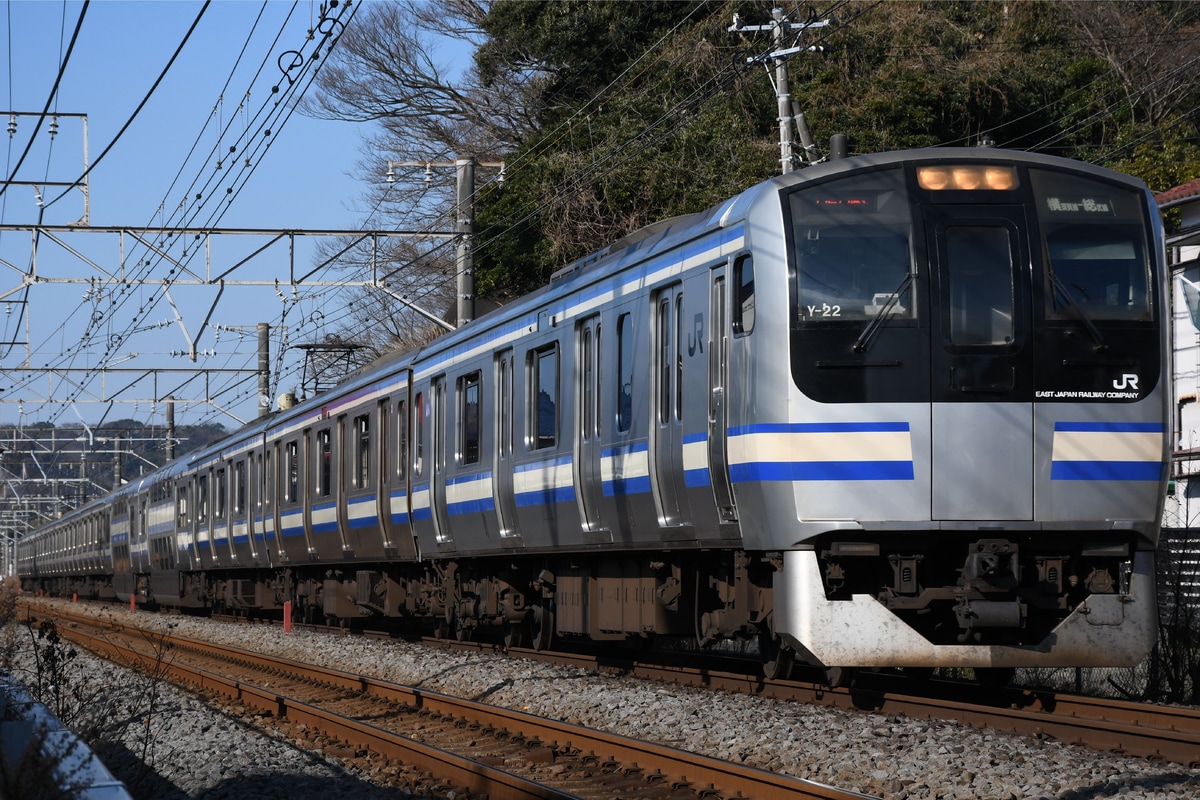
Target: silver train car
(897, 410)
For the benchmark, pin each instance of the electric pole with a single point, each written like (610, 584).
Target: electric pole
(788, 112)
(464, 205)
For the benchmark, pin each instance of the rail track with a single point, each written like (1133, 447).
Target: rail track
(1142, 730)
(1168, 733)
(490, 751)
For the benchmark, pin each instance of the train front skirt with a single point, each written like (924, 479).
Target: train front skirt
(1107, 630)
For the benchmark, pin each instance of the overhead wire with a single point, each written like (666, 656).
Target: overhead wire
(282, 109)
(552, 138)
(434, 286)
(64, 60)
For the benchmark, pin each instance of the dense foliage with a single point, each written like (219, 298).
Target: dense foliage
(609, 115)
(640, 127)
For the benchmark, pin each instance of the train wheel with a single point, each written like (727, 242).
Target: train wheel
(838, 677)
(541, 625)
(514, 634)
(777, 660)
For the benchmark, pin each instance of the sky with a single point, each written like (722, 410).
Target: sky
(219, 93)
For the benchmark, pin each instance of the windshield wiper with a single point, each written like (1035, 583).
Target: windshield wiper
(1060, 288)
(868, 333)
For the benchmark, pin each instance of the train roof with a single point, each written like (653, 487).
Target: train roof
(637, 246)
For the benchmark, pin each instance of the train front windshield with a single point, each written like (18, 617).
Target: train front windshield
(853, 248)
(933, 277)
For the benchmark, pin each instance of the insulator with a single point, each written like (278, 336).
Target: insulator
(54, 127)
(12, 125)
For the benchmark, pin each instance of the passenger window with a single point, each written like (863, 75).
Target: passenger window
(292, 488)
(219, 498)
(468, 418)
(624, 372)
(181, 507)
(239, 487)
(544, 407)
(324, 461)
(362, 452)
(402, 439)
(419, 434)
(743, 301)
(268, 479)
(202, 499)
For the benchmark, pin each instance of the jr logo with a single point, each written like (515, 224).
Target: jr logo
(696, 337)
(1127, 381)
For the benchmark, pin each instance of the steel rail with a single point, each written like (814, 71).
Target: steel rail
(706, 775)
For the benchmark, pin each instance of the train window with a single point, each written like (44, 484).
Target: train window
(292, 465)
(851, 240)
(268, 479)
(362, 451)
(202, 498)
(588, 403)
(624, 372)
(419, 434)
(678, 356)
(181, 506)
(324, 462)
(664, 359)
(401, 439)
(468, 418)
(239, 487)
(219, 494)
(544, 410)
(979, 272)
(743, 300)
(1094, 243)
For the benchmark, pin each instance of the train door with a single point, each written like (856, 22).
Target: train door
(254, 506)
(588, 480)
(322, 497)
(139, 534)
(260, 505)
(183, 524)
(666, 426)
(718, 416)
(982, 435)
(437, 480)
(502, 453)
(294, 523)
(241, 533)
(272, 531)
(344, 440)
(397, 464)
(222, 518)
(362, 478)
(201, 536)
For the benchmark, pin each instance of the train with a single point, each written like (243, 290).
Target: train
(893, 410)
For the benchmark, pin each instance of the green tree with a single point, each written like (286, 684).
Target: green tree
(611, 115)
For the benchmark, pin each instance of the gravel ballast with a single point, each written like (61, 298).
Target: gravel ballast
(201, 753)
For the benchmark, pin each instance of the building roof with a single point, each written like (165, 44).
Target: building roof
(1180, 194)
